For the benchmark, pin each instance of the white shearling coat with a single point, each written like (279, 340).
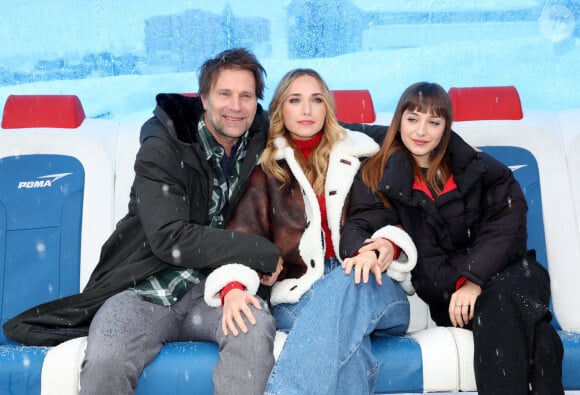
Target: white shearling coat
(290, 217)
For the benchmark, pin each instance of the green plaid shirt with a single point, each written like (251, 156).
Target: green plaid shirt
(169, 285)
(226, 171)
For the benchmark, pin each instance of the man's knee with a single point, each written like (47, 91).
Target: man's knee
(256, 347)
(265, 326)
(105, 373)
(259, 335)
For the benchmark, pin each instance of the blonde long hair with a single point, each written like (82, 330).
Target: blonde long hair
(316, 165)
(423, 97)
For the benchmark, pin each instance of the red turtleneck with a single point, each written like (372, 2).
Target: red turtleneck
(306, 147)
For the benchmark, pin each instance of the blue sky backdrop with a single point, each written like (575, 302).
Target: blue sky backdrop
(116, 55)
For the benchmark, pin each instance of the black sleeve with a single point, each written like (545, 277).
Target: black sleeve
(376, 132)
(366, 215)
(502, 235)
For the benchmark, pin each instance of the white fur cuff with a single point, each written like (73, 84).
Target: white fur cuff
(400, 269)
(226, 274)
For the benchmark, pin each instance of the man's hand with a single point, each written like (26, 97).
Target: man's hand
(269, 279)
(462, 303)
(236, 306)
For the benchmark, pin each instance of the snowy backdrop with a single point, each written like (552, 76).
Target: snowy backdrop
(116, 55)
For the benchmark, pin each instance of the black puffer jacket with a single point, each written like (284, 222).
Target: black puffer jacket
(167, 223)
(474, 230)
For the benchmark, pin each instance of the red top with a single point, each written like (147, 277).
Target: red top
(306, 147)
(420, 185)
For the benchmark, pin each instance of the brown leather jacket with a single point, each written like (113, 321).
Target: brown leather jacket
(290, 216)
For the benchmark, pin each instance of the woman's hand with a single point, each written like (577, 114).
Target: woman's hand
(363, 264)
(385, 251)
(374, 257)
(269, 279)
(462, 303)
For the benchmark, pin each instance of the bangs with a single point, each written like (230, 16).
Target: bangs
(426, 108)
(427, 98)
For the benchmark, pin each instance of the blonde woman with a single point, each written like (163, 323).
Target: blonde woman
(298, 199)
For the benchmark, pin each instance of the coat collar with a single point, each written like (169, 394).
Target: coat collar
(180, 116)
(398, 178)
(355, 145)
(344, 162)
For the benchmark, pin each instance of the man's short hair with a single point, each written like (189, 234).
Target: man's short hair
(237, 58)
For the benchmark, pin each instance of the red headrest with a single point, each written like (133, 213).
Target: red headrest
(42, 111)
(354, 106)
(486, 103)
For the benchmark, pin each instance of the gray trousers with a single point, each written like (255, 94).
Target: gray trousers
(127, 333)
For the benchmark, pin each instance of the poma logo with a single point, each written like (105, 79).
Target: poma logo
(42, 182)
(516, 167)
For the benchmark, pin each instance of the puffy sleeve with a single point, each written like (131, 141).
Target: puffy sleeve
(502, 233)
(366, 215)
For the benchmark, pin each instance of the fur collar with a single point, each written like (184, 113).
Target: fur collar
(344, 162)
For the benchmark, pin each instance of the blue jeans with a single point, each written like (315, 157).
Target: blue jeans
(328, 349)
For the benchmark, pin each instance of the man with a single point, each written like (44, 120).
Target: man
(195, 158)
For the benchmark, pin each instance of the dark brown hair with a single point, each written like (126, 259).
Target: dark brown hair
(425, 97)
(237, 58)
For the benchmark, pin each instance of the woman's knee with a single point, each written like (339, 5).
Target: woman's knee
(341, 284)
(493, 297)
(547, 343)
